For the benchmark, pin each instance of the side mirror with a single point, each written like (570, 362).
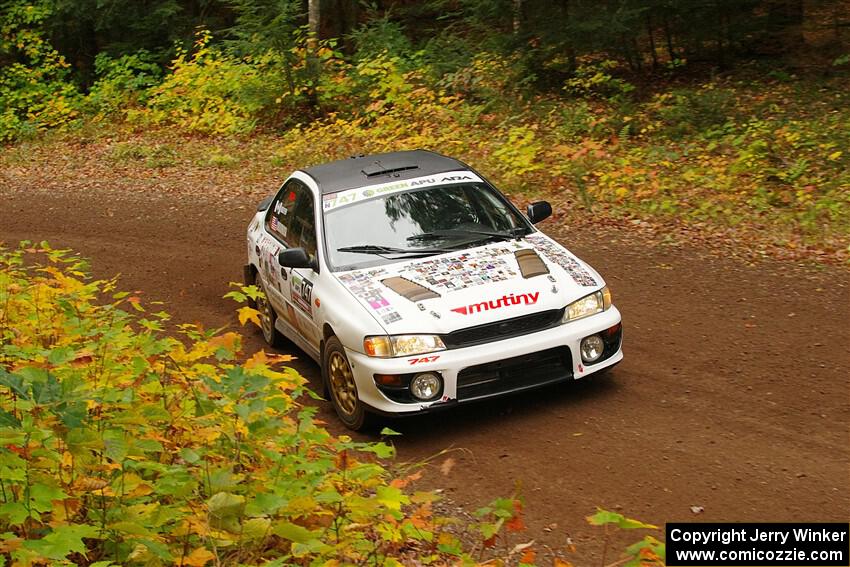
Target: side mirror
(296, 258)
(538, 211)
(264, 204)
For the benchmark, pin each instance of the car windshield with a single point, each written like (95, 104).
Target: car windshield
(418, 223)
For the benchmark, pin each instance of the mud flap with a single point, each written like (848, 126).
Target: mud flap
(248, 278)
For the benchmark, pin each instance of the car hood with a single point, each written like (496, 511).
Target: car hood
(503, 280)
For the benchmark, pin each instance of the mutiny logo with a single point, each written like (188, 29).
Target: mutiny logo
(504, 301)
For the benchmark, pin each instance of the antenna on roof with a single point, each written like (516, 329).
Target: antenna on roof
(377, 169)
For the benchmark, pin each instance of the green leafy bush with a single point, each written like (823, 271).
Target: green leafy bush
(123, 82)
(35, 91)
(382, 36)
(119, 444)
(154, 156)
(211, 92)
(684, 112)
(595, 78)
(488, 78)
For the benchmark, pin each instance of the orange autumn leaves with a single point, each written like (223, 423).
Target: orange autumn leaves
(124, 439)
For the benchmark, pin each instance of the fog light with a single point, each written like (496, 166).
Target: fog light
(592, 348)
(426, 386)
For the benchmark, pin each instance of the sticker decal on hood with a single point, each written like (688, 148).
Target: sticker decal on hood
(470, 268)
(504, 301)
(461, 271)
(366, 286)
(558, 255)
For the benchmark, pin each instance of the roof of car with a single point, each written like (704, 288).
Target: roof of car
(363, 171)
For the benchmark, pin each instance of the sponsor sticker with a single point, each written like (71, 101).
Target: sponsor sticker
(342, 198)
(508, 300)
(302, 293)
(558, 255)
(424, 359)
(365, 285)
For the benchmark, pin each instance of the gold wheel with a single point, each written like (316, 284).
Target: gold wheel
(341, 385)
(267, 316)
(343, 388)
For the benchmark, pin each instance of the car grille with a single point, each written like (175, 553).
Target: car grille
(517, 373)
(504, 329)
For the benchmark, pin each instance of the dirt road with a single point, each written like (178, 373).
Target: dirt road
(733, 396)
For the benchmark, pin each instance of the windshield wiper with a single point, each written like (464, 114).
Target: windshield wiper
(515, 232)
(375, 249)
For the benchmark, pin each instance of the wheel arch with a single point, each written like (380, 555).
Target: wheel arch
(327, 332)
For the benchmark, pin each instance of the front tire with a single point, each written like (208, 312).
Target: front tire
(341, 386)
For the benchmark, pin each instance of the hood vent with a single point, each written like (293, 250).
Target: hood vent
(411, 290)
(530, 264)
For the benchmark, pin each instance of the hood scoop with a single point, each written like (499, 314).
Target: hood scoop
(530, 264)
(408, 289)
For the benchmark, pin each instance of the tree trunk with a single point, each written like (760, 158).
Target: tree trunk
(314, 22)
(314, 17)
(343, 20)
(669, 38)
(785, 21)
(719, 38)
(638, 56)
(651, 42)
(572, 57)
(517, 16)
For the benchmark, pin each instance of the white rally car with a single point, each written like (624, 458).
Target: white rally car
(415, 284)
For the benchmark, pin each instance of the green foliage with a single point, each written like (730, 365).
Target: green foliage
(264, 26)
(154, 156)
(519, 152)
(379, 37)
(125, 439)
(595, 79)
(223, 160)
(122, 83)
(122, 444)
(647, 552)
(35, 93)
(684, 112)
(488, 78)
(720, 153)
(210, 92)
(469, 83)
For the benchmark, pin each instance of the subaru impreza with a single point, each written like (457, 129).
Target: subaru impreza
(416, 285)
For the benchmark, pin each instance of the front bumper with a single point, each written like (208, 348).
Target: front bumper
(550, 355)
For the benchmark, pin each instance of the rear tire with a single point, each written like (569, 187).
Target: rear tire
(341, 386)
(268, 316)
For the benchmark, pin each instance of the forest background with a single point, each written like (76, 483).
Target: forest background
(728, 117)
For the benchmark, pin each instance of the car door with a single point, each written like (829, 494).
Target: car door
(290, 223)
(301, 233)
(274, 239)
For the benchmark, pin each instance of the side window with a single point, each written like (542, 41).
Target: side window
(303, 227)
(281, 211)
(291, 217)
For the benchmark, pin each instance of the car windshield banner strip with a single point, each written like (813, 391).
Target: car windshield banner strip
(350, 196)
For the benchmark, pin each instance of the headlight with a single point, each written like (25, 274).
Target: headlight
(596, 302)
(402, 345)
